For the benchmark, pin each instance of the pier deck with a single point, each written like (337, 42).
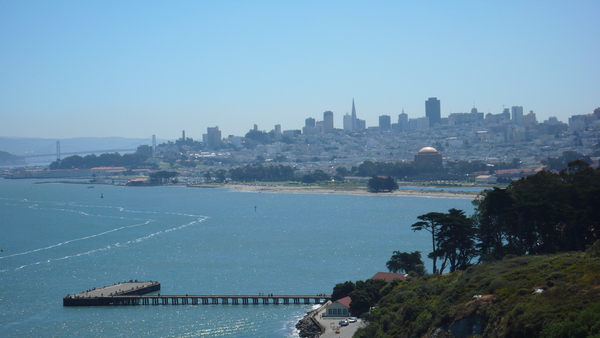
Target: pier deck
(135, 293)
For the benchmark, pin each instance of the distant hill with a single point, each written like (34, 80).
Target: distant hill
(7, 159)
(527, 296)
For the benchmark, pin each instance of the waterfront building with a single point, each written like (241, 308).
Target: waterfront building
(339, 308)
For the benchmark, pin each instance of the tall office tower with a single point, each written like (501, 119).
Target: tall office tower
(354, 126)
(278, 128)
(403, 121)
(385, 123)
(183, 135)
(328, 122)
(433, 111)
(517, 115)
(309, 122)
(212, 137)
(348, 123)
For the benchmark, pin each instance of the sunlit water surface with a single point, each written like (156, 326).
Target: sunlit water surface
(60, 239)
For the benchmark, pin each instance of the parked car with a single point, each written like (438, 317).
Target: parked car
(352, 320)
(344, 323)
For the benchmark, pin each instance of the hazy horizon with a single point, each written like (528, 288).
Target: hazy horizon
(140, 68)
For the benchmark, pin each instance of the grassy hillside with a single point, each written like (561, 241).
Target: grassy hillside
(527, 296)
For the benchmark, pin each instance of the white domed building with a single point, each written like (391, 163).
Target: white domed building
(430, 156)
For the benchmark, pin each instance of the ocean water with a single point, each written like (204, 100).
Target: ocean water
(60, 239)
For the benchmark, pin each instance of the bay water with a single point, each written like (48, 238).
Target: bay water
(58, 239)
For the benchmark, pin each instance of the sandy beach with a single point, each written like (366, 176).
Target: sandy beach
(341, 189)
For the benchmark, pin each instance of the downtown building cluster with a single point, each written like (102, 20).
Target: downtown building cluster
(468, 136)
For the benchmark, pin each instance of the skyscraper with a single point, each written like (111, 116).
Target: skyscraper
(403, 121)
(517, 115)
(328, 122)
(433, 111)
(385, 123)
(212, 137)
(348, 123)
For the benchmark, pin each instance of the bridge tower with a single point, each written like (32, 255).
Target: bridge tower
(58, 150)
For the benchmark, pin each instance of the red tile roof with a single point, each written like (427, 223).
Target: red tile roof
(345, 301)
(388, 276)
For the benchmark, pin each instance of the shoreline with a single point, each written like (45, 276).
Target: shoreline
(310, 189)
(288, 189)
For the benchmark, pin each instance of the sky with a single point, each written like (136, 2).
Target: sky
(142, 68)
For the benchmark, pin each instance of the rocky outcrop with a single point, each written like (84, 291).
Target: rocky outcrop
(309, 327)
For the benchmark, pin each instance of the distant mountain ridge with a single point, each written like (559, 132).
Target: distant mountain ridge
(38, 146)
(22, 146)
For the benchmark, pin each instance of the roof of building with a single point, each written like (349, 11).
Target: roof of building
(427, 150)
(388, 276)
(345, 301)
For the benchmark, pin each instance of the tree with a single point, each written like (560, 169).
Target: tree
(377, 184)
(367, 169)
(430, 222)
(496, 219)
(360, 303)
(406, 262)
(456, 240)
(342, 290)
(342, 171)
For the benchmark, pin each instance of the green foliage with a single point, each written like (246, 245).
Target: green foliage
(406, 262)
(316, 176)
(135, 160)
(542, 213)
(504, 305)
(258, 172)
(377, 184)
(342, 290)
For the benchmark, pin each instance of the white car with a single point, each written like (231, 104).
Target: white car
(352, 320)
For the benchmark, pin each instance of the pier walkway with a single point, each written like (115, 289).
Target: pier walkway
(135, 293)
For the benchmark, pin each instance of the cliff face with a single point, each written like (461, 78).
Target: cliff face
(529, 296)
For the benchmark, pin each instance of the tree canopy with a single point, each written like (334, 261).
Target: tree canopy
(378, 184)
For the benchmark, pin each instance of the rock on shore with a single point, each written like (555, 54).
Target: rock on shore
(308, 327)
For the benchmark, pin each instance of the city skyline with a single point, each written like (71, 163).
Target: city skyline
(135, 69)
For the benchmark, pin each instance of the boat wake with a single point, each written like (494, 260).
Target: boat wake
(105, 248)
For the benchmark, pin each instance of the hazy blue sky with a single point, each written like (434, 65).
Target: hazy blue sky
(137, 68)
